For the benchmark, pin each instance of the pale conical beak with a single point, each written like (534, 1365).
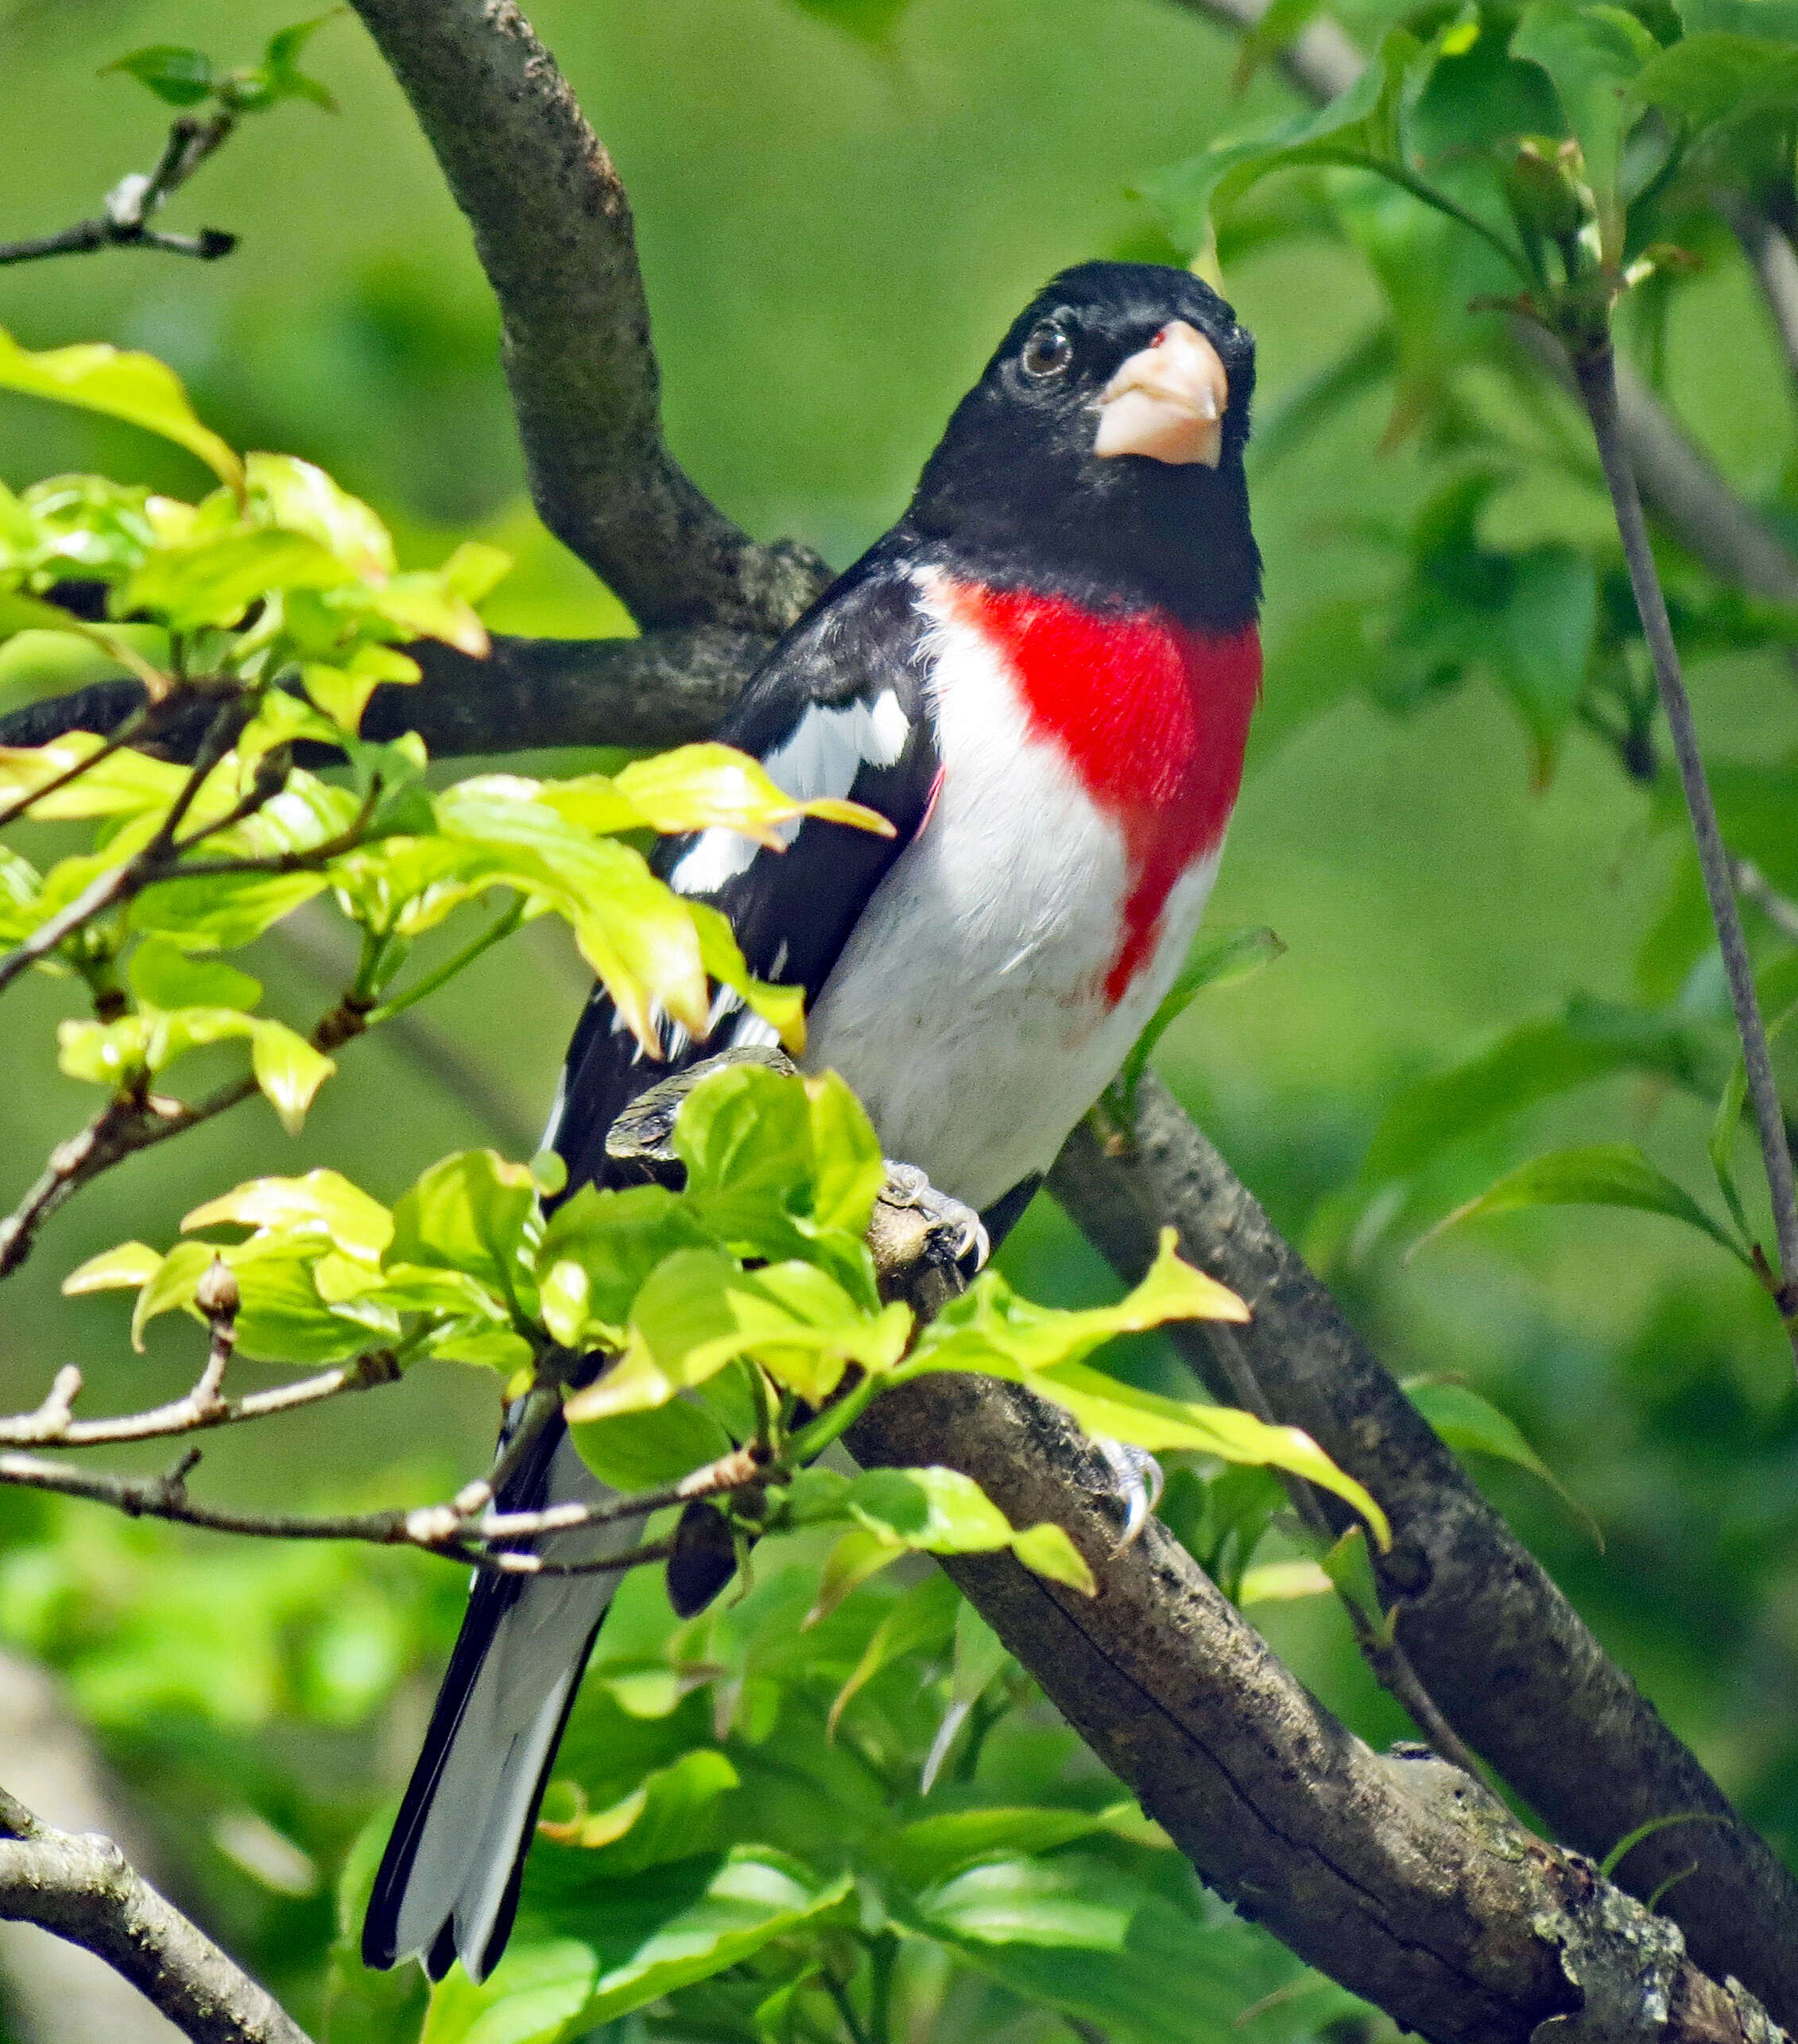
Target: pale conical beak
(1167, 401)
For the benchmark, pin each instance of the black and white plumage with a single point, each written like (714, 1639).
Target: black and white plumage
(1041, 677)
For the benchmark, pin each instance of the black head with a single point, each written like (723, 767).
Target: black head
(1020, 493)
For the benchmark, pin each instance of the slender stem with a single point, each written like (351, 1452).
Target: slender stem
(1389, 1662)
(492, 934)
(1597, 387)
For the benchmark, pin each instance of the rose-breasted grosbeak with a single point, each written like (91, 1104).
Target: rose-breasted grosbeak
(1042, 675)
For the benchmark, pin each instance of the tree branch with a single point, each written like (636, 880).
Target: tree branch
(81, 1888)
(553, 230)
(1512, 1665)
(1395, 1874)
(660, 690)
(1597, 387)
(133, 201)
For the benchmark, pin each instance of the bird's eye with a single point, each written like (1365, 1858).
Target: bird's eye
(1047, 352)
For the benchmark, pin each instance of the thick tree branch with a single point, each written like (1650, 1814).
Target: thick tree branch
(1511, 1664)
(552, 228)
(662, 689)
(81, 1886)
(1395, 1874)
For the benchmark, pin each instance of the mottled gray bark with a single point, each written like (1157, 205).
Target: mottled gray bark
(1507, 1659)
(81, 1886)
(553, 230)
(1394, 1873)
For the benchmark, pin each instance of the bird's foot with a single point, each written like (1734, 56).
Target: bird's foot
(956, 1234)
(1137, 1483)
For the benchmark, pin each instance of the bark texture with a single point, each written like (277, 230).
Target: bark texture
(1509, 1662)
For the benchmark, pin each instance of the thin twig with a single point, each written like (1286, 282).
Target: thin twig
(134, 727)
(1597, 387)
(1753, 885)
(52, 1425)
(129, 878)
(1388, 1659)
(131, 203)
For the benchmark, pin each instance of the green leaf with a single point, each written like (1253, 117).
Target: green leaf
(930, 1849)
(1470, 1425)
(288, 1069)
(1551, 628)
(847, 1170)
(215, 580)
(136, 388)
(1592, 55)
(1728, 1119)
(163, 976)
(699, 1310)
(299, 497)
(530, 1998)
(1046, 1549)
(472, 1212)
(638, 1451)
(1281, 1582)
(128, 1268)
(124, 784)
(1714, 79)
(182, 76)
(922, 1621)
(1536, 1061)
(1078, 1935)
(758, 1895)
(618, 1238)
(714, 787)
(1106, 1406)
(1220, 962)
(990, 1328)
(663, 1818)
(322, 1203)
(1603, 1175)
(223, 911)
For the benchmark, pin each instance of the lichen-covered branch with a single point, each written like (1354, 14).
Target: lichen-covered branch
(81, 1886)
(1510, 1661)
(552, 228)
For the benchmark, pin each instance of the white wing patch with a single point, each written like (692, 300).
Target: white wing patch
(826, 748)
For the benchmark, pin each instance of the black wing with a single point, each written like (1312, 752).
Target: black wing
(839, 708)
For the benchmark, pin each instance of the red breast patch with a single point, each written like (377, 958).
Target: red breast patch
(1154, 716)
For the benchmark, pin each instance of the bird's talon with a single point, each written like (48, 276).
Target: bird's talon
(957, 1232)
(1138, 1483)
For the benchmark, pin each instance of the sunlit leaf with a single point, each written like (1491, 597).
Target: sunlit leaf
(472, 1212)
(301, 498)
(136, 388)
(128, 1268)
(1601, 1175)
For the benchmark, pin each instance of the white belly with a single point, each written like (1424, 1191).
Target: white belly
(968, 1009)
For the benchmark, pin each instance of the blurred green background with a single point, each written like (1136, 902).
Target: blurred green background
(839, 210)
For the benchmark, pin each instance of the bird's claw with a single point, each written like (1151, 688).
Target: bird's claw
(1137, 1484)
(957, 1233)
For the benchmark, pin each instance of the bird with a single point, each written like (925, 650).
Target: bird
(1042, 677)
